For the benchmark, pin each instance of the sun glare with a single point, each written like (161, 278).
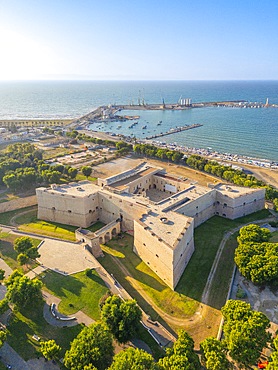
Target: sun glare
(23, 57)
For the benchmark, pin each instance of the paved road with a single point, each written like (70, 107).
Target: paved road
(11, 357)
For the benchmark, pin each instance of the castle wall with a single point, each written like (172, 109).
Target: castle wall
(201, 209)
(159, 182)
(112, 207)
(183, 252)
(67, 209)
(242, 205)
(156, 254)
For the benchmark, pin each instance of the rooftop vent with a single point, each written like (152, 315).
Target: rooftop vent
(164, 220)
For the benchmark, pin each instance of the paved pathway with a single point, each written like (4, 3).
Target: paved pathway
(11, 357)
(81, 317)
(6, 268)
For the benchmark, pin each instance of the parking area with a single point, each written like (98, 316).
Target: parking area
(65, 257)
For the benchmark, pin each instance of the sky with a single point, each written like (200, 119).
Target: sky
(138, 39)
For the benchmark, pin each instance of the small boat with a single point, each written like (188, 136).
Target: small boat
(144, 127)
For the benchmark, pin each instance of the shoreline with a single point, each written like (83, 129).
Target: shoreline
(208, 153)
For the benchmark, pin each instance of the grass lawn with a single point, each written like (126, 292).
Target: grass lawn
(28, 222)
(77, 292)
(8, 253)
(81, 177)
(5, 218)
(184, 300)
(274, 237)
(23, 325)
(223, 274)
(169, 301)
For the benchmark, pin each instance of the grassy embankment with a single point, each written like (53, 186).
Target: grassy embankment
(77, 292)
(184, 300)
(28, 222)
(8, 253)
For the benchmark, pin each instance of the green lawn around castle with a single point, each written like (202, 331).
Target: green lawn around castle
(9, 255)
(182, 302)
(77, 292)
(23, 325)
(26, 219)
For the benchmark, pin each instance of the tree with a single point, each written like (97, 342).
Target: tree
(3, 337)
(257, 259)
(258, 262)
(181, 355)
(86, 170)
(133, 359)
(22, 244)
(22, 259)
(4, 306)
(253, 233)
(121, 317)
(72, 172)
(11, 181)
(2, 274)
(273, 365)
(92, 346)
(50, 349)
(213, 354)
(22, 291)
(245, 332)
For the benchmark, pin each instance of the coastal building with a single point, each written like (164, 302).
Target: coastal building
(159, 209)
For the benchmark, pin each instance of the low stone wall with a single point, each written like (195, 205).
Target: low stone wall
(18, 203)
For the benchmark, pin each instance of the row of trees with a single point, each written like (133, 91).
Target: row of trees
(256, 258)
(236, 176)
(160, 153)
(245, 333)
(230, 174)
(22, 166)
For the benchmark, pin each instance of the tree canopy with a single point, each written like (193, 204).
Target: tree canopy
(256, 258)
(92, 347)
(24, 246)
(3, 337)
(213, 354)
(273, 365)
(181, 355)
(22, 291)
(253, 234)
(121, 317)
(86, 170)
(133, 359)
(50, 349)
(245, 332)
(2, 274)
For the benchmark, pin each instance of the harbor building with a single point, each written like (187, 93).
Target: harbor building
(159, 209)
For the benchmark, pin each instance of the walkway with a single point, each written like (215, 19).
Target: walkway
(81, 317)
(10, 357)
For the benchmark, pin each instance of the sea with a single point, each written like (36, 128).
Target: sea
(249, 132)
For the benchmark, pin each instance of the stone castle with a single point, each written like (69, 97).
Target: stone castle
(159, 209)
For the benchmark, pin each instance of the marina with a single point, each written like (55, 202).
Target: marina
(174, 130)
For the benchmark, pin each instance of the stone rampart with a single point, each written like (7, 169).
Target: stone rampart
(19, 203)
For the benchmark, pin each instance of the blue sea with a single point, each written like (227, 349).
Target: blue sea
(250, 132)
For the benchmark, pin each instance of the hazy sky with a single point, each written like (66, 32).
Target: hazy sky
(143, 39)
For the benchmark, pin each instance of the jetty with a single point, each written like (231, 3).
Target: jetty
(174, 130)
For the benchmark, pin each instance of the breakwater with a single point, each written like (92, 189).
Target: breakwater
(174, 131)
